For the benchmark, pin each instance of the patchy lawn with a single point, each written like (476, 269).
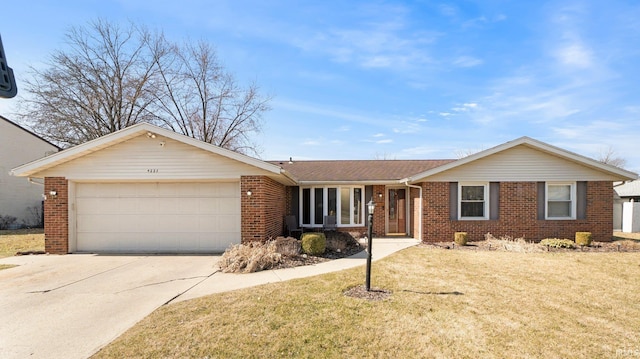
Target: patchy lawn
(22, 240)
(444, 303)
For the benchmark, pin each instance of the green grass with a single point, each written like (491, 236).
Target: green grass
(445, 303)
(24, 240)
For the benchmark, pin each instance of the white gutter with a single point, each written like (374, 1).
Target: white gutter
(406, 183)
(336, 183)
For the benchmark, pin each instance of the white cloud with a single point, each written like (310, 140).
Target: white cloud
(406, 127)
(575, 54)
(311, 143)
(467, 61)
(448, 10)
(465, 107)
(384, 141)
(379, 135)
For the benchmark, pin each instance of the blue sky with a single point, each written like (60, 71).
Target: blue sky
(395, 79)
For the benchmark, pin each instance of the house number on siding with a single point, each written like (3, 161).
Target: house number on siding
(152, 170)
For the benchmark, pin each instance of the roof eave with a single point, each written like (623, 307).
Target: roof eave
(42, 164)
(350, 182)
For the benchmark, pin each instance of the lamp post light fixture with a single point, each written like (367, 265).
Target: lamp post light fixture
(371, 206)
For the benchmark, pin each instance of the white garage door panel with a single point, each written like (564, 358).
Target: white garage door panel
(157, 217)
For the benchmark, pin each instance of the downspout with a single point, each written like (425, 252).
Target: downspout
(34, 182)
(406, 183)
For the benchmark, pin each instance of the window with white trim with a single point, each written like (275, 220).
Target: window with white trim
(344, 202)
(473, 201)
(561, 200)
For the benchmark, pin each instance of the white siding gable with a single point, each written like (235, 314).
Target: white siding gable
(142, 158)
(521, 163)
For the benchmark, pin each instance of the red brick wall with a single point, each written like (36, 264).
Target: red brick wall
(56, 216)
(518, 214)
(379, 224)
(263, 212)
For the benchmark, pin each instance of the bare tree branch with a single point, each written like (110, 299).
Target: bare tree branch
(111, 77)
(609, 156)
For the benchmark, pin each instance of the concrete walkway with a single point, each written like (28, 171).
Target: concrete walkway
(70, 306)
(224, 282)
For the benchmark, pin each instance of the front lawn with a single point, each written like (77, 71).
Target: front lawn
(445, 303)
(22, 240)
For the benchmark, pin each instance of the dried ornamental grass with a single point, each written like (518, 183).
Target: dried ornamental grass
(250, 257)
(512, 244)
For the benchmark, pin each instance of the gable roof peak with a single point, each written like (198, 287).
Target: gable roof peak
(535, 144)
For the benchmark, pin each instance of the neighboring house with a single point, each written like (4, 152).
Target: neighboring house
(20, 198)
(147, 189)
(626, 207)
(629, 191)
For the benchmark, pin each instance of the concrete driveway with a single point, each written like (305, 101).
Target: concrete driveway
(70, 306)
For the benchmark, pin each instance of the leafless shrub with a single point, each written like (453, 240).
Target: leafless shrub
(6, 221)
(35, 218)
(250, 257)
(288, 246)
(342, 241)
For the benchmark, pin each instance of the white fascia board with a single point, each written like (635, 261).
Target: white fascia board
(623, 174)
(130, 132)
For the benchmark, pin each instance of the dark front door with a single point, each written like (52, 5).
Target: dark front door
(397, 216)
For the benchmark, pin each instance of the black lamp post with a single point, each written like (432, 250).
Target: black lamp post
(371, 206)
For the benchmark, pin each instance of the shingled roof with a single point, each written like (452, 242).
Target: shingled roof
(357, 170)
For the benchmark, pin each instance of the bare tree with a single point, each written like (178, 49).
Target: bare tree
(111, 77)
(609, 156)
(199, 98)
(467, 152)
(95, 87)
(384, 156)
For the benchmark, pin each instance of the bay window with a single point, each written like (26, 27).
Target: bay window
(344, 202)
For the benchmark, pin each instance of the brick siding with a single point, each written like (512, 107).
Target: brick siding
(517, 214)
(56, 216)
(379, 219)
(263, 212)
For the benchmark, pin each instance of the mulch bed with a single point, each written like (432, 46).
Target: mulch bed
(351, 247)
(614, 246)
(362, 293)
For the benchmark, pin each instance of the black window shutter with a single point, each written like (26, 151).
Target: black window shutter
(541, 200)
(453, 201)
(581, 205)
(494, 200)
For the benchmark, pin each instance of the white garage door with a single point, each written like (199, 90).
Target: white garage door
(157, 217)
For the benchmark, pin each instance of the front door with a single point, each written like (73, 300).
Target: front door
(396, 216)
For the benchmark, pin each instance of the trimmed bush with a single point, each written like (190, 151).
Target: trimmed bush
(314, 243)
(558, 243)
(583, 238)
(460, 238)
